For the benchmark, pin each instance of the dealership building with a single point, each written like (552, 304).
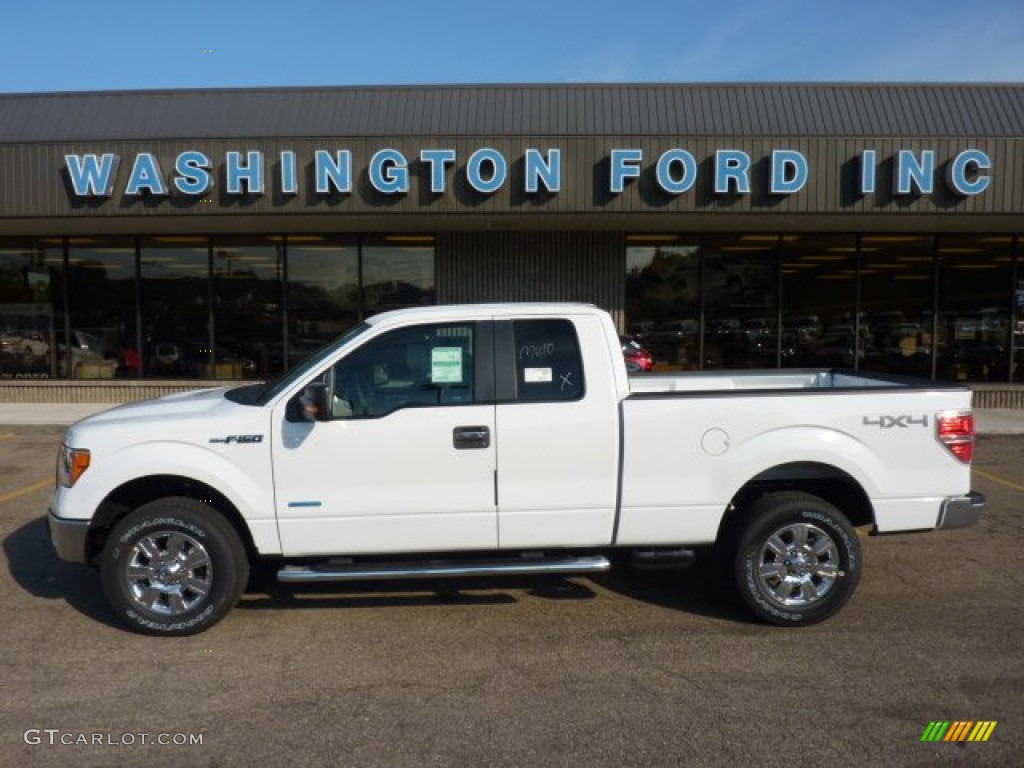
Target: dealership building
(153, 239)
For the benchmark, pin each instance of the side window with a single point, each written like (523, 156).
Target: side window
(548, 362)
(426, 365)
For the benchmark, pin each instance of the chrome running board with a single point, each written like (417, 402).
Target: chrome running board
(441, 569)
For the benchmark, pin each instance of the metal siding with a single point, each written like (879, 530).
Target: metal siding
(677, 107)
(1009, 112)
(886, 110)
(941, 115)
(903, 112)
(757, 98)
(868, 121)
(1015, 107)
(514, 266)
(996, 113)
(1014, 158)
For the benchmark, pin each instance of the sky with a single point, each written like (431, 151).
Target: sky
(70, 45)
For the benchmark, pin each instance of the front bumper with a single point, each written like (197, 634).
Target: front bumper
(68, 537)
(961, 511)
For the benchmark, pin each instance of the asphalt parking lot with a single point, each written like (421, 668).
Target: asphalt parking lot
(630, 669)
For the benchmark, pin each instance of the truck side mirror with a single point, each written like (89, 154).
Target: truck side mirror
(315, 402)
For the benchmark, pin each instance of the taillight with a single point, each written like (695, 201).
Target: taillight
(956, 432)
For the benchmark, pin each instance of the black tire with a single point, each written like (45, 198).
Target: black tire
(797, 560)
(173, 567)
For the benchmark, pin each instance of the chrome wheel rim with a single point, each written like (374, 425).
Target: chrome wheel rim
(798, 565)
(168, 572)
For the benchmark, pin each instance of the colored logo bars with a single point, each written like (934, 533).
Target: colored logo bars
(958, 730)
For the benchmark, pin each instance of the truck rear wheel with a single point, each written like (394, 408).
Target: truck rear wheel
(798, 560)
(174, 566)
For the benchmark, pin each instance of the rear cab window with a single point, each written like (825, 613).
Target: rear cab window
(548, 363)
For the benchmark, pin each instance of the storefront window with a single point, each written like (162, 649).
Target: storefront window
(819, 300)
(663, 299)
(922, 305)
(895, 332)
(398, 271)
(175, 294)
(101, 309)
(740, 301)
(30, 275)
(323, 293)
(248, 337)
(974, 320)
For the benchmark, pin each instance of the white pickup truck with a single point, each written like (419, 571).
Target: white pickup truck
(454, 441)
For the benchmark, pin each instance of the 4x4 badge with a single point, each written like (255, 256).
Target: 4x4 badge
(903, 421)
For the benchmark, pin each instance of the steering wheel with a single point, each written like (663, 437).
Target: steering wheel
(354, 387)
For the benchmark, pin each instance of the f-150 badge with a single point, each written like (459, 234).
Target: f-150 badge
(239, 439)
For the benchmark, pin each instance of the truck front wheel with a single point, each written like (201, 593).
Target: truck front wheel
(798, 560)
(173, 566)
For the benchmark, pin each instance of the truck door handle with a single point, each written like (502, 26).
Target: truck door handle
(468, 438)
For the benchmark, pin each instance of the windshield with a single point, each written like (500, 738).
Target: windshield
(261, 394)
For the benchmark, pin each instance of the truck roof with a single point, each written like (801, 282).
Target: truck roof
(512, 309)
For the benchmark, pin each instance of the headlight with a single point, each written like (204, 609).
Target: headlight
(71, 464)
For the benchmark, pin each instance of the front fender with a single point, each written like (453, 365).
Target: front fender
(245, 480)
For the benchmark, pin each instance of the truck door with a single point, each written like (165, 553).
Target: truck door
(407, 462)
(558, 433)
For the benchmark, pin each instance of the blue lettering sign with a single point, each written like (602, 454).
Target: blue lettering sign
(475, 173)
(625, 164)
(437, 159)
(732, 166)
(675, 172)
(193, 173)
(146, 176)
(912, 172)
(251, 173)
(91, 176)
(540, 171)
(966, 165)
(789, 171)
(333, 172)
(289, 177)
(867, 172)
(670, 183)
(389, 172)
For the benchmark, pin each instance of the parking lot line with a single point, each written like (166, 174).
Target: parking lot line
(997, 479)
(26, 490)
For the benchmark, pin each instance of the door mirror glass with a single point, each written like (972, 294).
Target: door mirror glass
(315, 402)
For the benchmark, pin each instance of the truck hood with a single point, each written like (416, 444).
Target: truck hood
(191, 417)
(183, 404)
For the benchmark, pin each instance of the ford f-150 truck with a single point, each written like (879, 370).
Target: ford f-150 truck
(454, 441)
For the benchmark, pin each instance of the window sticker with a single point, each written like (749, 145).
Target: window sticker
(537, 375)
(446, 365)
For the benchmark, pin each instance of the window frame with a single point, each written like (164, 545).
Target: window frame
(507, 381)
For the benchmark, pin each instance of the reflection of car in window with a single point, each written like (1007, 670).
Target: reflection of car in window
(638, 359)
(27, 347)
(168, 358)
(85, 348)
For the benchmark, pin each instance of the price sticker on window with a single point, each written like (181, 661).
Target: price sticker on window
(446, 365)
